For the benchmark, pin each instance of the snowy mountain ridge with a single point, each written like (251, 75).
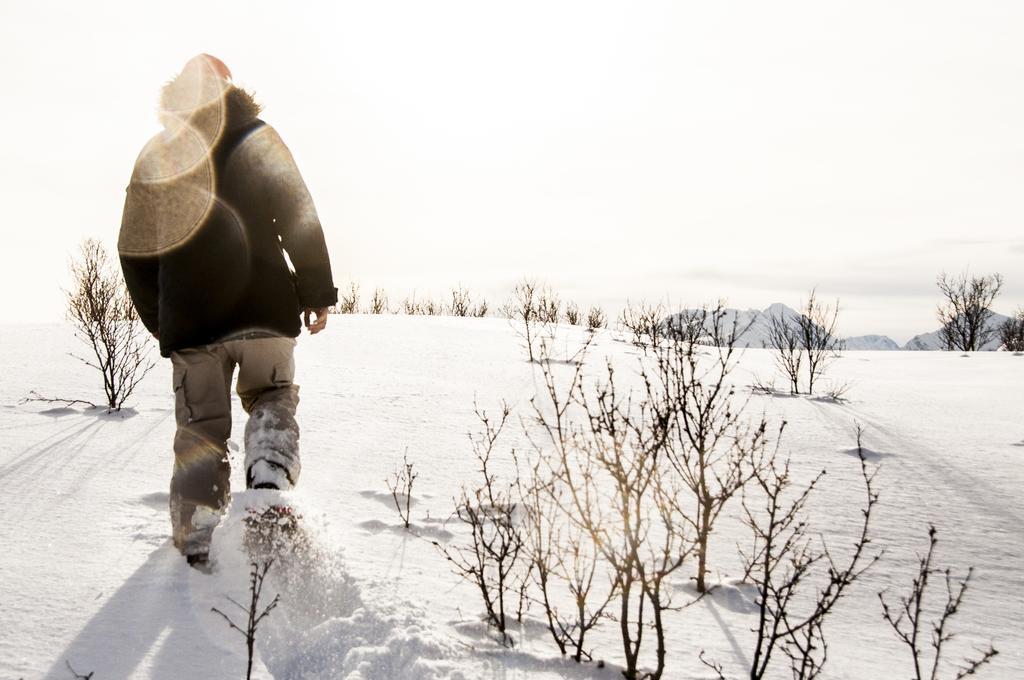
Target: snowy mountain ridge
(758, 324)
(933, 340)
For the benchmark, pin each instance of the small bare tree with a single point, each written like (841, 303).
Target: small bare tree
(817, 327)
(965, 311)
(784, 338)
(105, 319)
(253, 613)
(572, 314)
(1011, 333)
(910, 623)
(596, 319)
(707, 441)
(349, 302)
(798, 581)
(379, 302)
(400, 485)
(523, 312)
(480, 309)
(491, 558)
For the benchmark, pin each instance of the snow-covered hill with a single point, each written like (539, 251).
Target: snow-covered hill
(933, 340)
(88, 575)
(871, 343)
(758, 325)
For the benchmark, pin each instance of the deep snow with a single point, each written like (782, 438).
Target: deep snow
(89, 576)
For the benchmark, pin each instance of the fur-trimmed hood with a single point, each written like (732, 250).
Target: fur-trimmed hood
(199, 104)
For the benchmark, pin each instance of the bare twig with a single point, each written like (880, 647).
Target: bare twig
(36, 397)
(400, 485)
(253, 613)
(79, 676)
(785, 563)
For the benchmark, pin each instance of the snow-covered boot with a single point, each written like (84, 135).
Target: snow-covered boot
(267, 474)
(193, 527)
(272, 445)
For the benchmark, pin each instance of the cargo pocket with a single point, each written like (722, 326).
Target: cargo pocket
(284, 373)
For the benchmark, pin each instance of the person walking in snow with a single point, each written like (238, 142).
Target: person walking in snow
(214, 205)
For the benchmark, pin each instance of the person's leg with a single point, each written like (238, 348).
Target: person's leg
(270, 397)
(200, 484)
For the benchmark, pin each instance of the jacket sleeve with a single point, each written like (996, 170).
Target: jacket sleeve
(141, 271)
(141, 276)
(293, 215)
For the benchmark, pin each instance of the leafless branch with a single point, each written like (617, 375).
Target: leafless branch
(909, 622)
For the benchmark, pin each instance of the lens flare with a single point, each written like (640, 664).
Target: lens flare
(173, 188)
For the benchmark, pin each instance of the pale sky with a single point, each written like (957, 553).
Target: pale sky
(669, 150)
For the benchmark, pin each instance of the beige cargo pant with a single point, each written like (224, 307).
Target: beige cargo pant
(200, 483)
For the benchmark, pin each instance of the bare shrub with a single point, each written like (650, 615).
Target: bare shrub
(784, 338)
(490, 560)
(523, 312)
(799, 581)
(253, 613)
(619, 496)
(549, 306)
(566, 562)
(480, 309)
(596, 319)
(761, 386)
(432, 308)
(837, 392)
(965, 310)
(910, 623)
(411, 307)
(817, 325)
(400, 485)
(105, 319)
(379, 302)
(1011, 333)
(572, 314)
(643, 323)
(349, 301)
(706, 439)
(461, 304)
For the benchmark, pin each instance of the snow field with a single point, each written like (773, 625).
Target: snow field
(89, 576)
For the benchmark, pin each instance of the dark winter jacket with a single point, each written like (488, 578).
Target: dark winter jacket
(215, 202)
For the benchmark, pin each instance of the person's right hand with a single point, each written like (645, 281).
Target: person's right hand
(320, 321)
